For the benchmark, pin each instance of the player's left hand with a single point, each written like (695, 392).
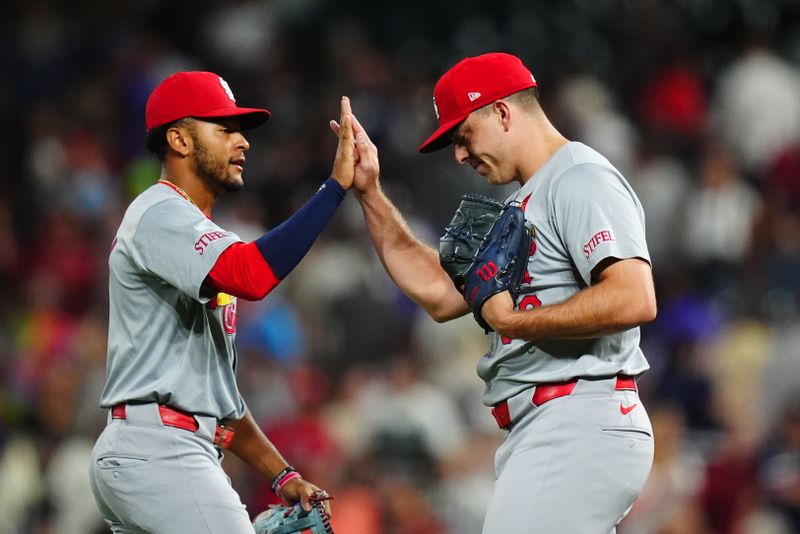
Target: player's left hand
(304, 492)
(497, 310)
(344, 164)
(367, 165)
(500, 262)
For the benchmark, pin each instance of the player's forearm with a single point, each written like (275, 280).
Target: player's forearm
(251, 271)
(284, 246)
(251, 445)
(613, 305)
(585, 315)
(412, 265)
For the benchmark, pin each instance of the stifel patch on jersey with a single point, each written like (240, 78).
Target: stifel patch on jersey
(201, 244)
(602, 236)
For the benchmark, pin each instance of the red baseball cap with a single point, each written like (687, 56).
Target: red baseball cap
(197, 94)
(470, 84)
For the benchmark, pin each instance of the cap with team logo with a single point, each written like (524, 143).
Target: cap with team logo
(470, 84)
(197, 94)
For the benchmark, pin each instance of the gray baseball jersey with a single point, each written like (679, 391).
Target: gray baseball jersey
(582, 211)
(168, 343)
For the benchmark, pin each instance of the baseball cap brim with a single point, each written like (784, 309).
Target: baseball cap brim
(250, 117)
(439, 139)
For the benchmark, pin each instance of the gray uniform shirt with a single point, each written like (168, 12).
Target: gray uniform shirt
(583, 211)
(166, 342)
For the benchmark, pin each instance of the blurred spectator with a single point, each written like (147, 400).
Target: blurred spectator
(23, 483)
(358, 509)
(412, 408)
(65, 255)
(673, 103)
(350, 412)
(272, 327)
(592, 116)
(783, 178)
(663, 186)
(773, 265)
(720, 215)
(409, 508)
(685, 329)
(730, 492)
(45, 336)
(467, 482)
(780, 468)
(738, 359)
(69, 498)
(757, 105)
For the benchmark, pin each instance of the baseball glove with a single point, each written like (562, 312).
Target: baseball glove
(471, 223)
(500, 262)
(282, 519)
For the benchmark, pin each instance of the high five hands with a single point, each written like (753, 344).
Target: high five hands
(344, 164)
(363, 154)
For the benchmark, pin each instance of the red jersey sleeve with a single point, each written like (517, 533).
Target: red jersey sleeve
(242, 271)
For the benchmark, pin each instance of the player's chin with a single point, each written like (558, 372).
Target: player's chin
(497, 178)
(489, 174)
(233, 183)
(493, 177)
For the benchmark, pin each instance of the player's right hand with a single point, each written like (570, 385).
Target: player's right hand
(344, 164)
(367, 164)
(304, 492)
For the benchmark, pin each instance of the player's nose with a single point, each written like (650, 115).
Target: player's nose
(242, 144)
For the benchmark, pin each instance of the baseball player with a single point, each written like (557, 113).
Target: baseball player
(174, 279)
(564, 354)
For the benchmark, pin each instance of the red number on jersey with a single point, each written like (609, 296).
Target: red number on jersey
(527, 302)
(229, 317)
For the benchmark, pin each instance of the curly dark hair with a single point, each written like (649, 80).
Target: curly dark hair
(156, 140)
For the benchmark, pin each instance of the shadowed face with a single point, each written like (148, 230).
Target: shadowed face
(477, 141)
(218, 156)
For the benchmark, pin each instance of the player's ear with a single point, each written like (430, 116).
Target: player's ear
(180, 140)
(503, 112)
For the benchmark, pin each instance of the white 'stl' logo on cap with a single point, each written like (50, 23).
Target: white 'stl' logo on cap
(227, 88)
(473, 96)
(435, 108)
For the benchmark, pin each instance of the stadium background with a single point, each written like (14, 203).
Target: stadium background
(696, 101)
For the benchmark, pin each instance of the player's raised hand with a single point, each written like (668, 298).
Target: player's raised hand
(367, 165)
(344, 164)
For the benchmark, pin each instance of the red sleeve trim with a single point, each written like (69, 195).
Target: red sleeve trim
(242, 271)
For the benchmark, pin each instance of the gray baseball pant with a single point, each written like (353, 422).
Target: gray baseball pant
(148, 477)
(573, 465)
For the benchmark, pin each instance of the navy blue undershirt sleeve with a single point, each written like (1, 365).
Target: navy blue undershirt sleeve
(285, 245)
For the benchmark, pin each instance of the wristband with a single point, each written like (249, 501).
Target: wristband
(280, 480)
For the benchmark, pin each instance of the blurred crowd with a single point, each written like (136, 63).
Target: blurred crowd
(697, 102)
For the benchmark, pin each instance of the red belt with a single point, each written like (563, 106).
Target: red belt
(223, 436)
(553, 390)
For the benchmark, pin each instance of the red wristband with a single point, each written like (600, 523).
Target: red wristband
(283, 480)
